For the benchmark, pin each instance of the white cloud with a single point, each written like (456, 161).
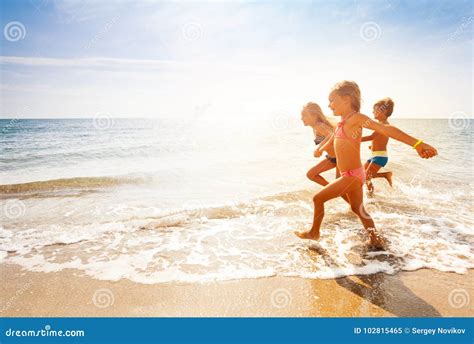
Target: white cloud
(248, 59)
(84, 62)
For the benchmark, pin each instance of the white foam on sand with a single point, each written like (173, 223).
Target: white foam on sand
(3, 255)
(251, 240)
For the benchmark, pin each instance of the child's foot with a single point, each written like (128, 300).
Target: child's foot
(370, 188)
(388, 176)
(312, 235)
(375, 239)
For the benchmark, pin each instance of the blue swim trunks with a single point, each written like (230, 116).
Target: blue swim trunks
(379, 160)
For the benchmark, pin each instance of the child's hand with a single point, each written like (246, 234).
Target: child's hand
(317, 153)
(426, 151)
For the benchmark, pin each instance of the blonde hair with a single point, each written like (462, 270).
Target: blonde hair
(386, 104)
(351, 89)
(315, 110)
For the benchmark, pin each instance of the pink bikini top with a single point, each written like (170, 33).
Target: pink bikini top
(339, 132)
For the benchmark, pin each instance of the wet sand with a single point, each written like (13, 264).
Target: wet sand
(422, 293)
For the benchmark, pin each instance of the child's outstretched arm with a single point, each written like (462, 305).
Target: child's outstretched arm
(367, 138)
(423, 149)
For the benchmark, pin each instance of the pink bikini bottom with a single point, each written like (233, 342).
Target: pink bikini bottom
(357, 172)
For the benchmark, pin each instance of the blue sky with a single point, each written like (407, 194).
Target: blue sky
(76, 58)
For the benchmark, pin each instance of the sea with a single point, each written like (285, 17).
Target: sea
(193, 200)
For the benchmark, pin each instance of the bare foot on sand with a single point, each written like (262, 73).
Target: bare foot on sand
(313, 235)
(388, 176)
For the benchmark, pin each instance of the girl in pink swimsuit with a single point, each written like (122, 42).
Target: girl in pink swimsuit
(344, 101)
(313, 116)
(359, 173)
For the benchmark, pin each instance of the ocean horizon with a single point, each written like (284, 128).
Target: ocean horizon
(170, 200)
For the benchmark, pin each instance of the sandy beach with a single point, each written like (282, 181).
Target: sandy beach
(236, 172)
(422, 293)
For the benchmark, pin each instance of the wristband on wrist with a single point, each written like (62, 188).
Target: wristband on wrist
(419, 142)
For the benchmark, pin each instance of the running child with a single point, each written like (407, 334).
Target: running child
(344, 101)
(313, 116)
(382, 110)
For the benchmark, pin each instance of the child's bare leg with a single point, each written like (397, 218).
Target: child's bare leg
(357, 205)
(370, 170)
(339, 187)
(314, 174)
(344, 197)
(386, 175)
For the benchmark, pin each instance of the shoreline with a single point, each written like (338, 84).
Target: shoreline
(421, 293)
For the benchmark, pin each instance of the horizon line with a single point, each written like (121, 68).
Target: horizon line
(171, 117)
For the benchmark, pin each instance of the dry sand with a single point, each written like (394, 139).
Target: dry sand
(422, 293)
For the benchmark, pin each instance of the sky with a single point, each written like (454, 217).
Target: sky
(231, 59)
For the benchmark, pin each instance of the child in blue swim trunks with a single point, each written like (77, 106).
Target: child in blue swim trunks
(382, 111)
